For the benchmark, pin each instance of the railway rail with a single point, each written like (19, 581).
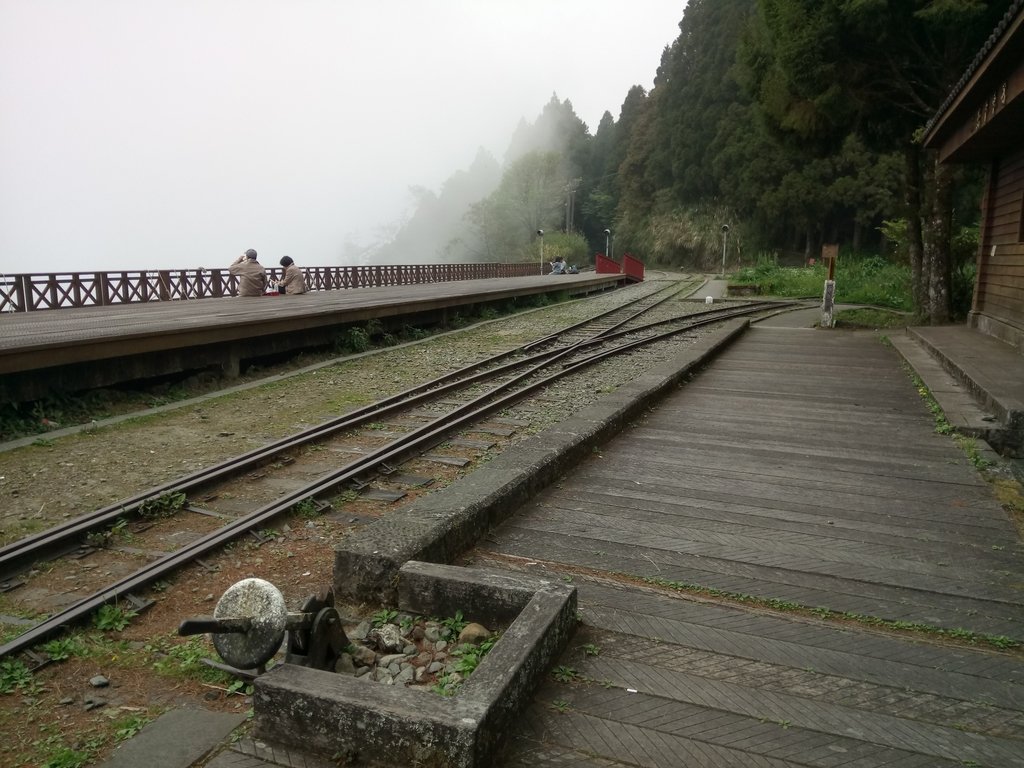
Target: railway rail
(22, 553)
(491, 385)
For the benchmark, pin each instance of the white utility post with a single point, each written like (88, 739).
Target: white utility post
(829, 254)
(725, 239)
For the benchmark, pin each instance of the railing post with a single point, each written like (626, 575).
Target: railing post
(102, 288)
(51, 289)
(23, 289)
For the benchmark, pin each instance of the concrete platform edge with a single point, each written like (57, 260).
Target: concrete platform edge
(438, 527)
(958, 403)
(953, 369)
(1007, 436)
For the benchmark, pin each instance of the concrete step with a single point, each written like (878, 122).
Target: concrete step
(962, 409)
(977, 379)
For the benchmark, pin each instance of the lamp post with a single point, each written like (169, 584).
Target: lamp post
(725, 239)
(540, 235)
(608, 243)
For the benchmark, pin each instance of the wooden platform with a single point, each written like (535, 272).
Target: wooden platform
(69, 349)
(801, 467)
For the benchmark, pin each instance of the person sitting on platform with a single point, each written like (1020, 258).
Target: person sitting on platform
(558, 266)
(292, 281)
(252, 279)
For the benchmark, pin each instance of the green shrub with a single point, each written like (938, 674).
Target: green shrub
(164, 505)
(64, 648)
(869, 280)
(962, 290)
(354, 340)
(14, 675)
(112, 618)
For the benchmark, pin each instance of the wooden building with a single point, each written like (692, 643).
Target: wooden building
(982, 121)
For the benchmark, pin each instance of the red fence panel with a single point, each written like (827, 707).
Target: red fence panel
(632, 267)
(605, 266)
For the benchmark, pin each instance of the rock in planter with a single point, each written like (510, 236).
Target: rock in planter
(388, 638)
(363, 656)
(473, 634)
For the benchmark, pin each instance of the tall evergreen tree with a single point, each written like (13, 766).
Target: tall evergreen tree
(880, 68)
(610, 147)
(698, 91)
(595, 195)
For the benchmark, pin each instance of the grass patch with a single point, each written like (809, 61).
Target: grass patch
(859, 280)
(112, 618)
(870, 317)
(469, 656)
(1011, 496)
(1001, 642)
(129, 725)
(185, 660)
(1007, 490)
(65, 647)
(15, 676)
(163, 506)
(942, 425)
(307, 509)
(969, 446)
(565, 674)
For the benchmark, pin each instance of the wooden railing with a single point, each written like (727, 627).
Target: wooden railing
(59, 290)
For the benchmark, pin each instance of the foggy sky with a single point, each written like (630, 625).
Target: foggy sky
(144, 134)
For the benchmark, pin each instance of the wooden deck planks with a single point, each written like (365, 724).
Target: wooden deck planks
(29, 340)
(799, 467)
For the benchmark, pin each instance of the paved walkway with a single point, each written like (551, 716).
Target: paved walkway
(801, 467)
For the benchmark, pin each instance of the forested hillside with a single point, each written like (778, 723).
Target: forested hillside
(795, 122)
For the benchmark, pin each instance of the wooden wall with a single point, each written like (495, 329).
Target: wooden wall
(999, 290)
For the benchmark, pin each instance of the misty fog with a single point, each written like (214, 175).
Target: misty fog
(144, 135)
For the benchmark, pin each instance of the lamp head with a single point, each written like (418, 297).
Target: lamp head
(725, 227)
(540, 232)
(607, 231)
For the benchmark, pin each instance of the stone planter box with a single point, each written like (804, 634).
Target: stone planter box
(365, 721)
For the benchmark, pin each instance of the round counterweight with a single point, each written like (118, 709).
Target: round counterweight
(263, 604)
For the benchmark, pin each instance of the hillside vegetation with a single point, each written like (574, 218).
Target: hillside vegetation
(795, 123)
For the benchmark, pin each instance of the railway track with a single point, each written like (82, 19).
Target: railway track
(482, 389)
(22, 553)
